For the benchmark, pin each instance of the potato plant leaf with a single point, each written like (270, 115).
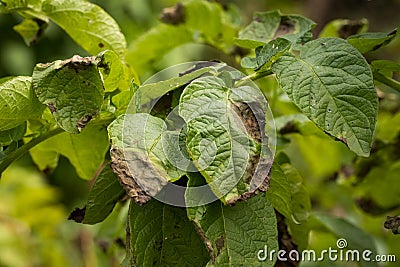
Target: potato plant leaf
(104, 194)
(267, 54)
(72, 89)
(279, 193)
(12, 135)
(85, 151)
(31, 30)
(18, 102)
(88, 24)
(161, 235)
(267, 26)
(111, 68)
(371, 41)
(234, 235)
(331, 82)
(138, 156)
(217, 139)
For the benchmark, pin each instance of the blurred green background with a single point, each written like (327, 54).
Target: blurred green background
(34, 206)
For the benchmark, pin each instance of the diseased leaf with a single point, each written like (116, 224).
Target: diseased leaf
(267, 26)
(234, 235)
(31, 30)
(332, 84)
(371, 41)
(344, 28)
(18, 102)
(88, 24)
(138, 156)
(104, 194)
(85, 151)
(72, 89)
(161, 235)
(220, 140)
(111, 68)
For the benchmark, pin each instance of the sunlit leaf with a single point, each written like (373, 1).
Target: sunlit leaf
(18, 102)
(332, 84)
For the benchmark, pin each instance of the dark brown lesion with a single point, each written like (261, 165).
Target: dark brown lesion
(257, 170)
(393, 223)
(121, 168)
(173, 15)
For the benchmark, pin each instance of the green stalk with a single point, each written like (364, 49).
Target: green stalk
(19, 152)
(387, 81)
(254, 76)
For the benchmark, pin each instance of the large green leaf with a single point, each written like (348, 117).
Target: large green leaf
(85, 151)
(88, 24)
(72, 89)
(371, 41)
(332, 84)
(218, 140)
(18, 102)
(138, 155)
(267, 26)
(161, 235)
(104, 194)
(234, 235)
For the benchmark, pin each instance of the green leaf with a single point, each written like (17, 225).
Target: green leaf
(72, 89)
(371, 41)
(87, 24)
(266, 55)
(138, 155)
(18, 102)
(234, 235)
(161, 235)
(354, 236)
(267, 26)
(111, 68)
(85, 151)
(103, 196)
(151, 46)
(12, 135)
(150, 92)
(343, 28)
(279, 192)
(217, 140)
(332, 84)
(386, 67)
(31, 30)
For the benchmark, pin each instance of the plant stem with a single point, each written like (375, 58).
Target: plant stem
(387, 81)
(254, 76)
(19, 152)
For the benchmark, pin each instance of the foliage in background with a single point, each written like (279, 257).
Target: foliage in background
(327, 93)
